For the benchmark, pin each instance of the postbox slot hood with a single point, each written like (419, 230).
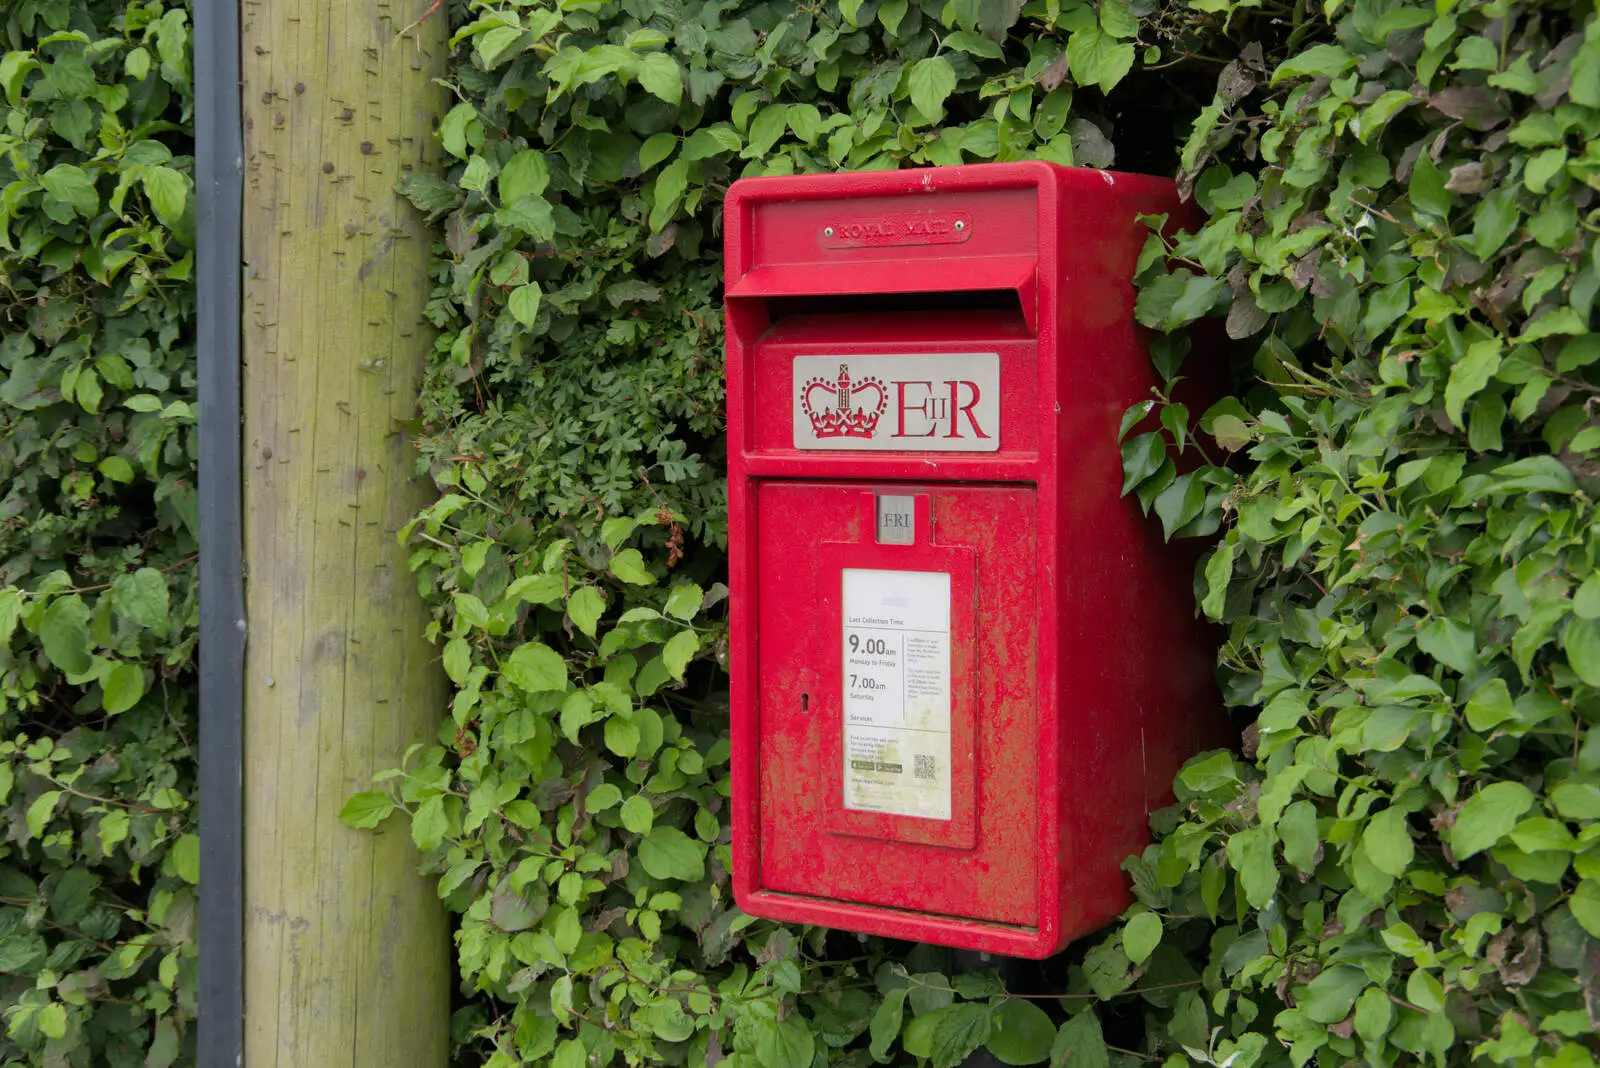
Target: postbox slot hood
(1018, 274)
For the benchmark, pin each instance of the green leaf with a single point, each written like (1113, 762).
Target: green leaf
(1327, 60)
(168, 193)
(141, 599)
(536, 668)
(525, 174)
(1327, 998)
(1489, 707)
(668, 853)
(429, 824)
(524, 303)
(638, 815)
(1469, 375)
(1585, 905)
(658, 147)
(1175, 300)
(1219, 570)
(457, 660)
(628, 565)
(1387, 842)
(886, 1021)
(684, 601)
(121, 687)
(1250, 854)
(1581, 639)
(1427, 188)
(1080, 1044)
(660, 75)
(669, 187)
(1020, 1032)
(367, 809)
(72, 186)
(786, 1043)
(1141, 936)
(678, 651)
(1180, 502)
(52, 1020)
(931, 80)
(186, 858)
(41, 812)
(584, 607)
(1492, 223)
(1487, 817)
(602, 797)
(1097, 58)
(64, 634)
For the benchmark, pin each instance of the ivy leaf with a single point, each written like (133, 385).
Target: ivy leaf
(931, 80)
(366, 809)
(1080, 1044)
(659, 74)
(668, 853)
(536, 668)
(1487, 817)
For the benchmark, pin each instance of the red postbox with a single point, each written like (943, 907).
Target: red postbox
(965, 670)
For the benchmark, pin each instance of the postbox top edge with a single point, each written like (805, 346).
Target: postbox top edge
(841, 185)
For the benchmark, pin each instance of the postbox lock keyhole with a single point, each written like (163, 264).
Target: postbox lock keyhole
(805, 702)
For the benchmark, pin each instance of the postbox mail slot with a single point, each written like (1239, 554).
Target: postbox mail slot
(1018, 274)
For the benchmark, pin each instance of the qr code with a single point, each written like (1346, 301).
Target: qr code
(922, 766)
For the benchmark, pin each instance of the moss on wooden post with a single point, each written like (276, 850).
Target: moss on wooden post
(346, 948)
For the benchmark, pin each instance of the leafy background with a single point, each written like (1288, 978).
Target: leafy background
(98, 855)
(1398, 862)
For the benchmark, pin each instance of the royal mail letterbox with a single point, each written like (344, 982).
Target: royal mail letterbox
(965, 670)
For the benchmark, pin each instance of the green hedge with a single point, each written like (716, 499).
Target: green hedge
(97, 535)
(1400, 861)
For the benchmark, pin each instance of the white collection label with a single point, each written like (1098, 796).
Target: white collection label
(897, 692)
(949, 402)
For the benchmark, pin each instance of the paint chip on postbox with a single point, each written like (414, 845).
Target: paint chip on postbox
(949, 402)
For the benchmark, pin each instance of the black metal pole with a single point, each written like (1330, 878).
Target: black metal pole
(219, 190)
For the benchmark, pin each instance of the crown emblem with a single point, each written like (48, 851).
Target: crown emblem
(849, 408)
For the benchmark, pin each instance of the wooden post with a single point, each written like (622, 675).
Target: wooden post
(346, 948)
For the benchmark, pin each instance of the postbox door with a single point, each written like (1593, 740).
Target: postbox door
(898, 696)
